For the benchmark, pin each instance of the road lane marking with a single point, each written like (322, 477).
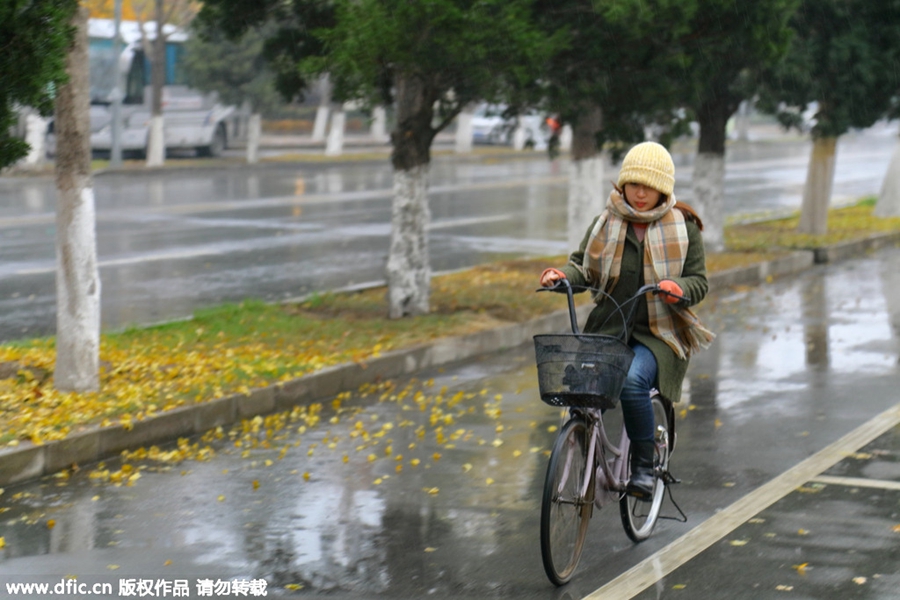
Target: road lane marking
(879, 484)
(656, 567)
(47, 218)
(292, 239)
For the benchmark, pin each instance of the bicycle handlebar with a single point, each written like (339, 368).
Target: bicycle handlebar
(564, 286)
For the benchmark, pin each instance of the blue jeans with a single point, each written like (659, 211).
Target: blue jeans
(637, 409)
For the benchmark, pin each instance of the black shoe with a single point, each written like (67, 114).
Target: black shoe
(641, 484)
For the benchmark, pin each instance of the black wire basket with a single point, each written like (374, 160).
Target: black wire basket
(581, 370)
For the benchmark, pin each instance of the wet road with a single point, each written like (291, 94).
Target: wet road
(174, 241)
(431, 487)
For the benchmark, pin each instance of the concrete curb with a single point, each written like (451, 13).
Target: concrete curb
(29, 461)
(849, 249)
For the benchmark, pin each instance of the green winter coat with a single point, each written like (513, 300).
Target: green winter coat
(693, 281)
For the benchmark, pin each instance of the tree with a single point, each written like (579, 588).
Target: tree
(35, 37)
(165, 12)
(430, 58)
(237, 71)
(844, 58)
(611, 79)
(77, 277)
(726, 39)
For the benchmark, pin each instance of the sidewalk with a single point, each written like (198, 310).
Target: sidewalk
(27, 461)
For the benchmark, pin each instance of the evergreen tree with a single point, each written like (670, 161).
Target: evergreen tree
(237, 71)
(415, 55)
(727, 40)
(35, 37)
(843, 57)
(612, 79)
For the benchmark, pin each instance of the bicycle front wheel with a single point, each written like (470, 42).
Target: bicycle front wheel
(639, 517)
(565, 512)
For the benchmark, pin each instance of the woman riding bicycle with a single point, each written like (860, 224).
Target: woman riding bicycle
(644, 236)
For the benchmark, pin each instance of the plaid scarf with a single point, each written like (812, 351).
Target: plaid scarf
(665, 250)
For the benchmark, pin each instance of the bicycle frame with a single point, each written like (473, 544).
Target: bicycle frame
(599, 449)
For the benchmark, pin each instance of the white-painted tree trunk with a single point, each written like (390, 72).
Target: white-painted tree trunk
(320, 125)
(323, 111)
(709, 193)
(77, 291)
(888, 204)
(586, 197)
(77, 276)
(817, 190)
(379, 124)
(519, 138)
(742, 121)
(35, 136)
(156, 142)
(334, 145)
(408, 271)
(254, 132)
(565, 138)
(464, 132)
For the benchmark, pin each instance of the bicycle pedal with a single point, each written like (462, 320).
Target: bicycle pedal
(669, 479)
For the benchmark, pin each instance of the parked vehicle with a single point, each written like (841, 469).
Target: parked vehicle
(192, 120)
(491, 125)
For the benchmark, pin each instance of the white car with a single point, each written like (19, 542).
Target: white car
(489, 127)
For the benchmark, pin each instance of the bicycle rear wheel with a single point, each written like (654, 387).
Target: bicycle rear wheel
(564, 511)
(639, 517)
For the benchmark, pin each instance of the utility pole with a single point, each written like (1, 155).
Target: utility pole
(115, 152)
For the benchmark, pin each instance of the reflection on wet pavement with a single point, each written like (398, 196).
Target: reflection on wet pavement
(282, 231)
(432, 487)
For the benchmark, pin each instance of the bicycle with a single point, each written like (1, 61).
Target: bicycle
(586, 373)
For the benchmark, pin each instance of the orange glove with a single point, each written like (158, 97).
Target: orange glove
(551, 276)
(668, 285)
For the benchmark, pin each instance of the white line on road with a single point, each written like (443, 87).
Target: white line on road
(667, 560)
(222, 248)
(879, 484)
(276, 201)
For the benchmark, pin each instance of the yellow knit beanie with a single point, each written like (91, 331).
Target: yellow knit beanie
(651, 164)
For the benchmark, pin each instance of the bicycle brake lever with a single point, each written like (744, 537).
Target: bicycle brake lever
(659, 291)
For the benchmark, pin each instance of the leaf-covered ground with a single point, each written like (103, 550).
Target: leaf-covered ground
(235, 348)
